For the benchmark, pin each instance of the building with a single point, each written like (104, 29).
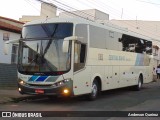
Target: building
(9, 30)
(90, 14)
(48, 10)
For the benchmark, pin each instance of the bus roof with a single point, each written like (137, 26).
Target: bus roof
(105, 25)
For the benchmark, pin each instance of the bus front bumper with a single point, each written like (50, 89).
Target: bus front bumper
(36, 89)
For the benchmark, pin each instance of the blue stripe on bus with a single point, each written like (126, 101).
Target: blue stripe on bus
(33, 78)
(42, 78)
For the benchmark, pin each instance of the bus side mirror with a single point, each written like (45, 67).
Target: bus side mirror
(65, 46)
(66, 43)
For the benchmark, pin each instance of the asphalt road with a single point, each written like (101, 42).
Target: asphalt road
(148, 99)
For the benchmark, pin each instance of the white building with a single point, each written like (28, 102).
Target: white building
(90, 14)
(9, 30)
(48, 10)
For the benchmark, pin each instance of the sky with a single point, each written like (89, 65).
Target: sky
(117, 9)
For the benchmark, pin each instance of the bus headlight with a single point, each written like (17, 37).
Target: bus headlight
(60, 83)
(19, 89)
(22, 82)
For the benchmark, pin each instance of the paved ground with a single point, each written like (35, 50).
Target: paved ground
(11, 95)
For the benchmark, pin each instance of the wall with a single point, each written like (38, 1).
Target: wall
(6, 58)
(8, 71)
(26, 19)
(48, 10)
(91, 14)
(8, 76)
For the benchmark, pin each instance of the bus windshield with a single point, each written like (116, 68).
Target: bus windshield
(43, 54)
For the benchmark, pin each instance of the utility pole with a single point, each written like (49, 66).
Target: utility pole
(122, 13)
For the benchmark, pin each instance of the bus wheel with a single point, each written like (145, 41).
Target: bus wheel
(139, 85)
(94, 92)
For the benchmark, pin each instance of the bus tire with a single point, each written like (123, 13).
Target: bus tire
(94, 92)
(138, 87)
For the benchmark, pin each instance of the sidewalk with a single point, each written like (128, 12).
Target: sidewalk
(12, 96)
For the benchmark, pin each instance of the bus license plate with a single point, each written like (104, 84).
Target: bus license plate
(39, 91)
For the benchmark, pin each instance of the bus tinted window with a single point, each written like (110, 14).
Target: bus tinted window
(59, 30)
(133, 44)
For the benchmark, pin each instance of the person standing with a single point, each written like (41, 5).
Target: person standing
(158, 71)
(154, 74)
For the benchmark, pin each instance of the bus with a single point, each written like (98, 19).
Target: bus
(72, 57)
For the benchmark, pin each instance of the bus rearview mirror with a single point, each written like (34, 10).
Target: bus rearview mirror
(66, 42)
(65, 46)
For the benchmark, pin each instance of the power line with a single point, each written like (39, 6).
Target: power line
(148, 2)
(126, 22)
(80, 15)
(147, 28)
(33, 5)
(75, 9)
(60, 8)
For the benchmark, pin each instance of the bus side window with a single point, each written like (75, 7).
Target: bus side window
(137, 45)
(79, 56)
(82, 53)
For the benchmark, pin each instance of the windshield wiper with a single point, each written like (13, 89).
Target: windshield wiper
(35, 57)
(50, 40)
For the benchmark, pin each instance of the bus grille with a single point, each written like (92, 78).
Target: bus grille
(38, 85)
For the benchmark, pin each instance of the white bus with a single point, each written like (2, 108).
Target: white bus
(71, 57)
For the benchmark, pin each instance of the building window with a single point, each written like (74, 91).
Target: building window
(14, 57)
(111, 34)
(6, 36)
(155, 50)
